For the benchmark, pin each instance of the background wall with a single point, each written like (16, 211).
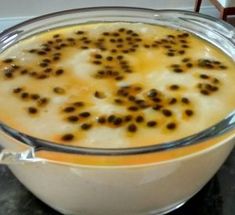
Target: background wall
(23, 8)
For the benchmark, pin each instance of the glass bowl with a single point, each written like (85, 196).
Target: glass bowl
(153, 179)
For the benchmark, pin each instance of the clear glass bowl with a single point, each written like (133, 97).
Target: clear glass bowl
(144, 180)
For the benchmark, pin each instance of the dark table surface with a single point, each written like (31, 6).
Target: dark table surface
(216, 198)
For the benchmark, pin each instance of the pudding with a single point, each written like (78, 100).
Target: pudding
(114, 85)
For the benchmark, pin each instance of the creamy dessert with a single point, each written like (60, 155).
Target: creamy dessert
(114, 85)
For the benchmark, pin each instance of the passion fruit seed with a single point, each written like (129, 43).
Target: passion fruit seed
(132, 128)
(86, 126)
(67, 137)
(32, 110)
(171, 126)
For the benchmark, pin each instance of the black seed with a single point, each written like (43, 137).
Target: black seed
(177, 70)
(128, 118)
(101, 120)
(133, 108)
(119, 45)
(185, 46)
(132, 128)
(223, 67)
(59, 72)
(47, 70)
(109, 58)
(97, 62)
(119, 40)
(156, 100)
(189, 65)
(141, 103)
(69, 109)
(204, 76)
(98, 56)
(121, 29)
(167, 112)
(41, 52)
(32, 50)
(175, 65)
(56, 35)
(171, 126)
(120, 57)
(151, 123)
(32, 110)
(99, 95)
(42, 76)
(131, 98)
(157, 107)
(215, 81)
(58, 90)
(111, 118)
(24, 71)
(8, 73)
(78, 104)
(106, 33)
(8, 60)
(86, 126)
(33, 74)
(117, 121)
(43, 64)
(129, 32)
(128, 70)
(56, 58)
(170, 54)
(214, 88)
(80, 32)
(42, 101)
(139, 119)
(119, 78)
(216, 62)
(211, 87)
(84, 114)
(181, 52)
(46, 60)
(188, 112)
(185, 60)
(204, 92)
(118, 101)
(152, 93)
(83, 38)
(72, 118)
(112, 40)
(125, 51)
(24, 95)
(70, 39)
(17, 90)
(67, 137)
(185, 100)
(174, 87)
(34, 96)
(173, 101)
(122, 92)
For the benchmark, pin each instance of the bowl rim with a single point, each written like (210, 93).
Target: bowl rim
(225, 125)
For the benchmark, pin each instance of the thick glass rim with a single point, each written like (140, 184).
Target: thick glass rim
(225, 125)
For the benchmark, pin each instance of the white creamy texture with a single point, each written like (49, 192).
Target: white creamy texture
(151, 69)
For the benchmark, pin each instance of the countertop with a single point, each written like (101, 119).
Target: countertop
(216, 198)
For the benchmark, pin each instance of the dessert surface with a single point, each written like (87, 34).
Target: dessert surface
(114, 85)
